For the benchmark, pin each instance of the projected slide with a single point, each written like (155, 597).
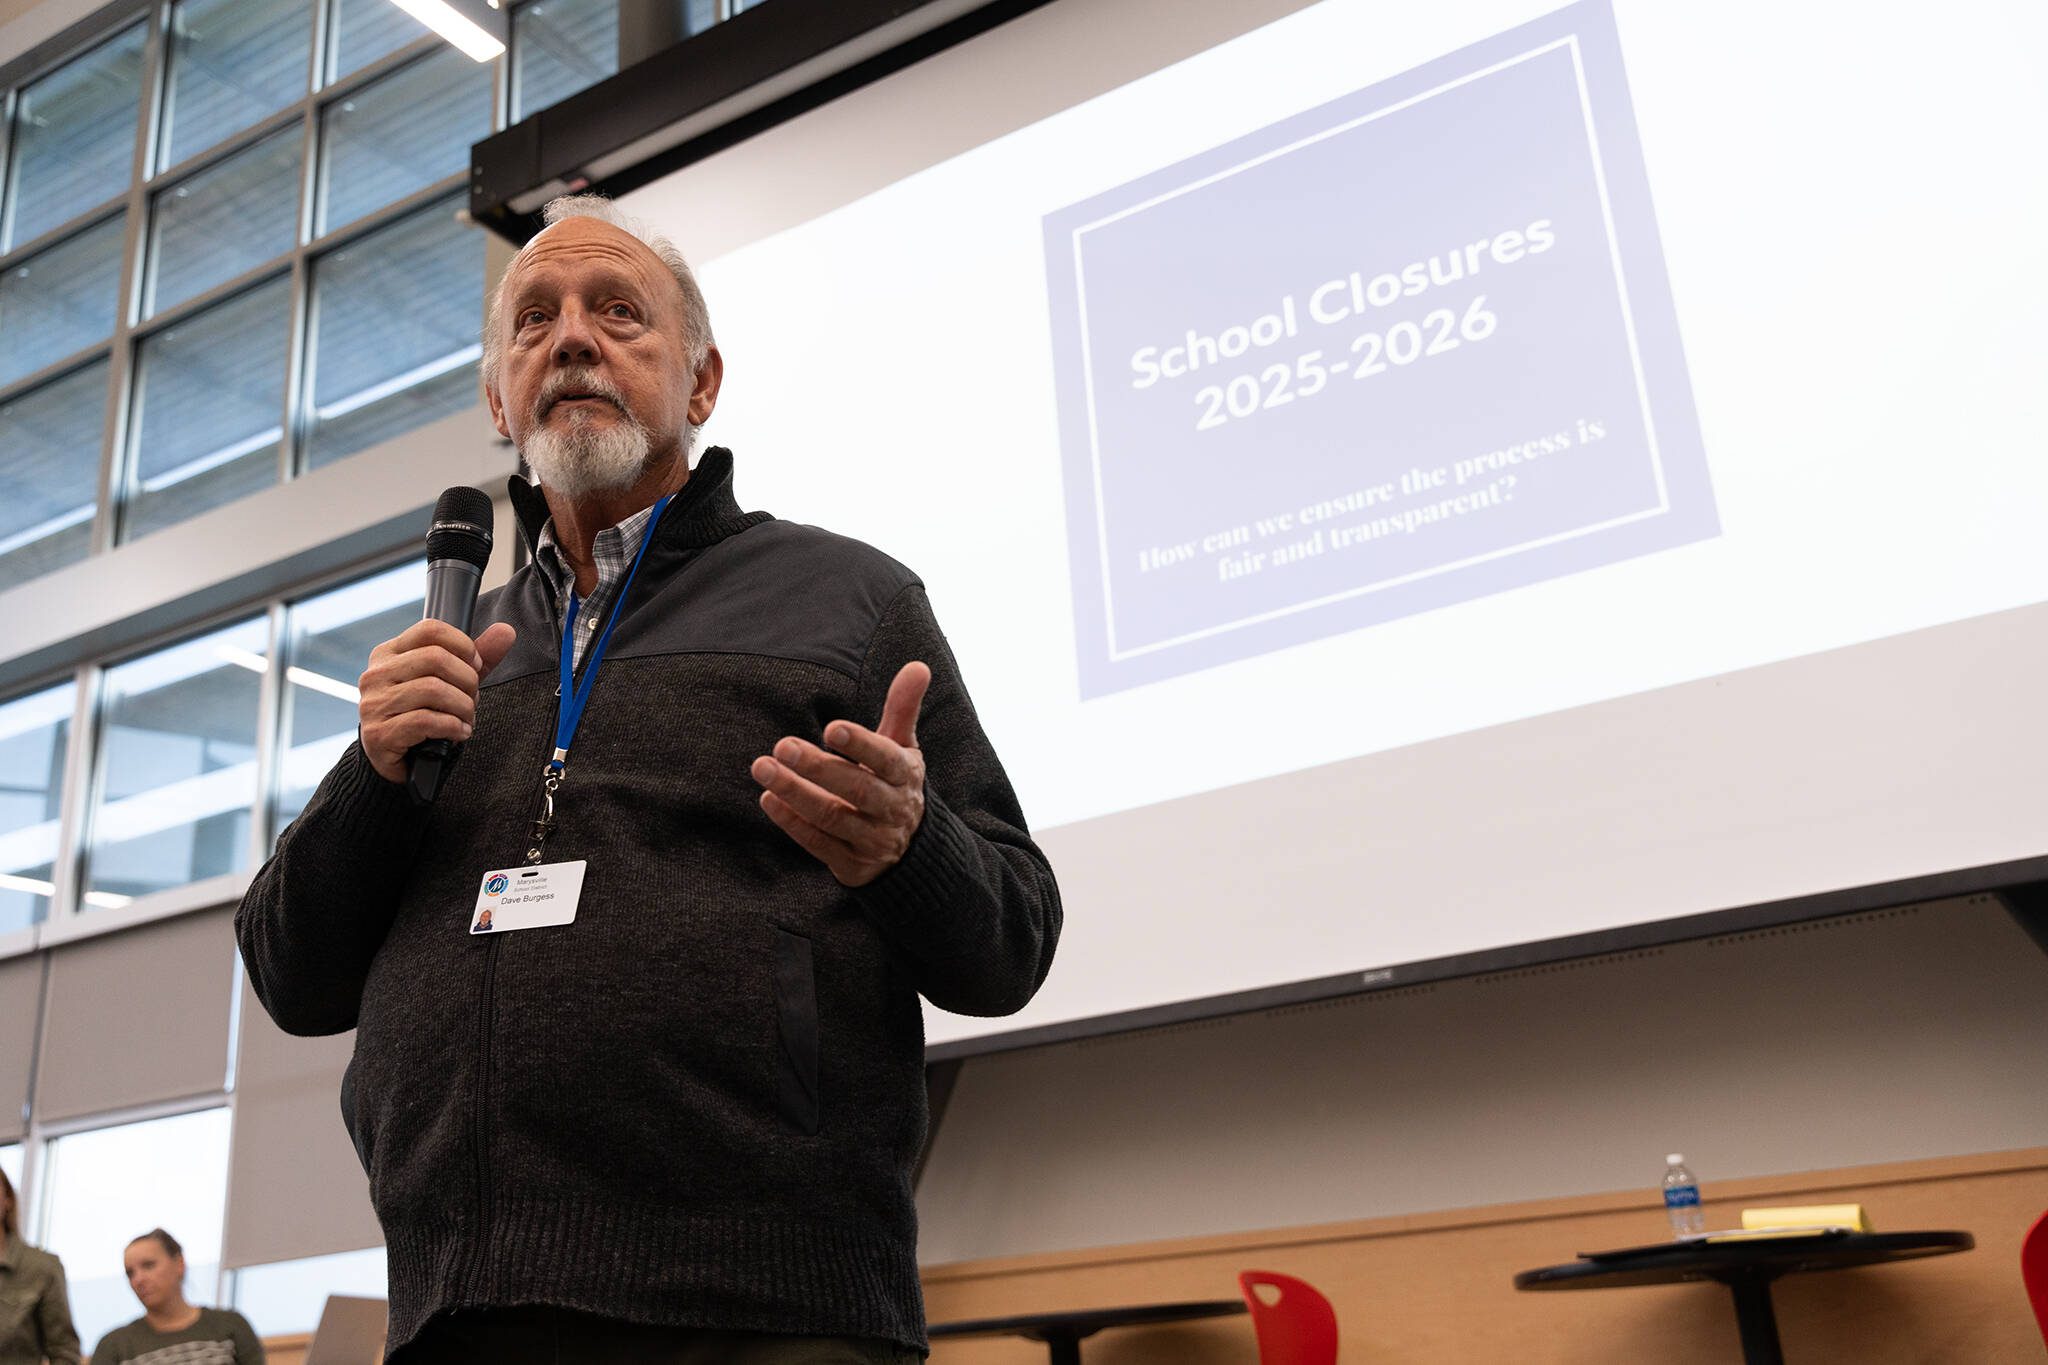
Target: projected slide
(1406, 349)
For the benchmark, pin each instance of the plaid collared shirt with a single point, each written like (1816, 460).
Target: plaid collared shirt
(612, 553)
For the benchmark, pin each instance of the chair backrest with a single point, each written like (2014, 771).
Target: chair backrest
(2034, 1270)
(1298, 1328)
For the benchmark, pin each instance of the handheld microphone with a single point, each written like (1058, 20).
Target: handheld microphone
(458, 547)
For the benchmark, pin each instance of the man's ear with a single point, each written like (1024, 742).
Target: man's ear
(705, 396)
(497, 412)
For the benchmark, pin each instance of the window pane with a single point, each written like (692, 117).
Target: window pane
(106, 1187)
(10, 1162)
(178, 765)
(59, 301)
(75, 136)
(210, 399)
(225, 220)
(365, 30)
(402, 134)
(50, 441)
(562, 46)
(397, 339)
(288, 1296)
(332, 637)
(33, 731)
(232, 62)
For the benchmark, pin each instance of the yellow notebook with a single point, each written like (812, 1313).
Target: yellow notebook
(1850, 1216)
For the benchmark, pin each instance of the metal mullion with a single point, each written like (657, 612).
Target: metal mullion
(227, 148)
(326, 14)
(501, 82)
(74, 803)
(269, 724)
(299, 331)
(55, 370)
(389, 214)
(120, 378)
(198, 1102)
(8, 98)
(70, 227)
(187, 309)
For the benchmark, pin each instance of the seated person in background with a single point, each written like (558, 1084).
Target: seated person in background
(170, 1329)
(35, 1312)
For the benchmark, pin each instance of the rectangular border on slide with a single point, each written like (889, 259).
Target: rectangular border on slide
(1094, 680)
(1570, 40)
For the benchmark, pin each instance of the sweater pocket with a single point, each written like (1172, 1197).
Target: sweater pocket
(796, 1006)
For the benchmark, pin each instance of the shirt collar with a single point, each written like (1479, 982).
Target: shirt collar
(612, 545)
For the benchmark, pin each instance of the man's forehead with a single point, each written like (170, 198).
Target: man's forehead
(580, 243)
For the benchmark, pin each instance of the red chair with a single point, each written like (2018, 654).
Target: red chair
(1298, 1327)
(2033, 1269)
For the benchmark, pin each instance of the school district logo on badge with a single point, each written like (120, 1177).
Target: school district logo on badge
(497, 884)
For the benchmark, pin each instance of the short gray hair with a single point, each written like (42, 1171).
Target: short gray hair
(696, 316)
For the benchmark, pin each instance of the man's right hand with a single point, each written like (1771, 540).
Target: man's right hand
(423, 686)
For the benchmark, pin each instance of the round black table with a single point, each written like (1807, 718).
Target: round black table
(1747, 1268)
(1062, 1333)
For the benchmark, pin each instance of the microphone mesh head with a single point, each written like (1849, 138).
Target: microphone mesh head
(461, 528)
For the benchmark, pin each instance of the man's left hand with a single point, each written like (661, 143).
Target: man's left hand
(855, 814)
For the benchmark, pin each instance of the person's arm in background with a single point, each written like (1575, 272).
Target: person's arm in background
(317, 912)
(918, 817)
(53, 1319)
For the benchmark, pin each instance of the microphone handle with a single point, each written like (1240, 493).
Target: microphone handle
(451, 596)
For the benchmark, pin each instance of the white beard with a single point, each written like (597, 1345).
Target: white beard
(581, 460)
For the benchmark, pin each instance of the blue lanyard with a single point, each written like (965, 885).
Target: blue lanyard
(574, 695)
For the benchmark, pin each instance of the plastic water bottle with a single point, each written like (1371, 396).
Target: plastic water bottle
(1682, 1198)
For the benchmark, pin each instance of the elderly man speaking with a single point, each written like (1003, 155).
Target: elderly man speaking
(667, 1108)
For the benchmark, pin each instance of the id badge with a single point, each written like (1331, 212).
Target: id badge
(527, 898)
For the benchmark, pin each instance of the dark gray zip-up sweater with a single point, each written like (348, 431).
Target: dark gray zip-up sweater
(699, 1103)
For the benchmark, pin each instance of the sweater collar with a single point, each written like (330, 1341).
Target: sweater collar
(703, 513)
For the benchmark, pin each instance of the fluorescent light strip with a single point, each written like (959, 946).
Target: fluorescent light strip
(419, 374)
(463, 32)
(156, 483)
(320, 682)
(62, 521)
(304, 677)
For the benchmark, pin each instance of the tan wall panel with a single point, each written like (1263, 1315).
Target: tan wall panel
(1438, 1288)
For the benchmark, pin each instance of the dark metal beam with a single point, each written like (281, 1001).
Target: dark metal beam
(2026, 876)
(760, 68)
(2028, 906)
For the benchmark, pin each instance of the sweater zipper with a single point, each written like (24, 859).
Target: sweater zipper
(480, 1126)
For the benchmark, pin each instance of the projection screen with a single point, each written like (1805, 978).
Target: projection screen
(1410, 480)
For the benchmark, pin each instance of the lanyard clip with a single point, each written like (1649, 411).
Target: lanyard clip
(545, 821)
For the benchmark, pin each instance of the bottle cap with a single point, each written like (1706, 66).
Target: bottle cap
(1675, 1159)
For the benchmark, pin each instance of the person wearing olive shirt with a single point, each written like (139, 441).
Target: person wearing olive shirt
(172, 1331)
(35, 1312)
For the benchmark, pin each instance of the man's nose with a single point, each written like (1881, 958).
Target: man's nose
(575, 337)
